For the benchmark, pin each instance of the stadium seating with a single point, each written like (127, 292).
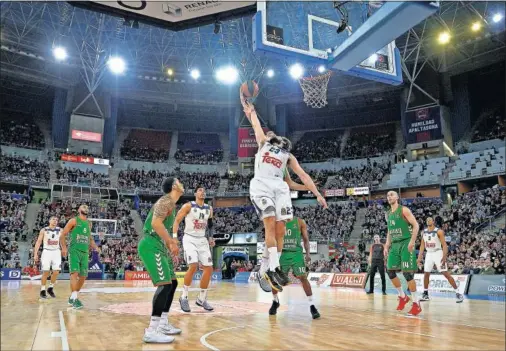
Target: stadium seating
(479, 163)
(318, 146)
(370, 141)
(491, 127)
(23, 170)
(418, 172)
(21, 133)
(199, 148)
(146, 145)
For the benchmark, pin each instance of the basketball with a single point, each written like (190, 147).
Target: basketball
(250, 89)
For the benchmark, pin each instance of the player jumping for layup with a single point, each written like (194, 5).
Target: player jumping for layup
(198, 216)
(79, 250)
(292, 258)
(51, 255)
(270, 194)
(153, 253)
(400, 249)
(437, 251)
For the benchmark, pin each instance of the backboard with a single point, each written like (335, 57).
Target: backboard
(357, 37)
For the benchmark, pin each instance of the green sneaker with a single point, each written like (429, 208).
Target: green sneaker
(77, 304)
(71, 302)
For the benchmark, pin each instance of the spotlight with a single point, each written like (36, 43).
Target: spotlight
(270, 73)
(497, 17)
(116, 65)
(59, 53)
(296, 71)
(170, 72)
(444, 38)
(476, 26)
(321, 69)
(227, 75)
(195, 73)
(217, 27)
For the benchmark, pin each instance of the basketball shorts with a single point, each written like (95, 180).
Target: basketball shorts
(400, 259)
(78, 262)
(293, 261)
(50, 260)
(271, 198)
(434, 258)
(197, 250)
(156, 260)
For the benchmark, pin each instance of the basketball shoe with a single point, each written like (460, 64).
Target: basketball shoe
(204, 304)
(460, 298)
(415, 310)
(166, 328)
(274, 308)
(185, 305)
(425, 296)
(156, 337)
(264, 284)
(402, 302)
(314, 312)
(51, 292)
(271, 279)
(43, 294)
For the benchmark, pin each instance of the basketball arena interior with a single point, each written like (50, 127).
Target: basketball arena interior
(102, 101)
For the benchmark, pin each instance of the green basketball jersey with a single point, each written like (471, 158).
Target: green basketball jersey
(293, 236)
(168, 222)
(80, 235)
(398, 227)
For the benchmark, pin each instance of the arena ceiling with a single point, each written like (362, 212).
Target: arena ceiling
(30, 30)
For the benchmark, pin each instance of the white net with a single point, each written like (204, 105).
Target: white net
(315, 89)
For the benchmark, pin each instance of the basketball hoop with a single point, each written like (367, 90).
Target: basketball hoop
(315, 89)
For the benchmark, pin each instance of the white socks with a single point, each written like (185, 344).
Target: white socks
(273, 258)
(265, 264)
(185, 291)
(401, 292)
(164, 319)
(310, 300)
(73, 296)
(153, 323)
(42, 288)
(275, 298)
(51, 285)
(415, 297)
(203, 295)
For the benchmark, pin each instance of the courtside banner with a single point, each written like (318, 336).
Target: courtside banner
(86, 136)
(10, 274)
(135, 275)
(320, 279)
(487, 285)
(247, 142)
(357, 191)
(345, 280)
(438, 283)
(333, 192)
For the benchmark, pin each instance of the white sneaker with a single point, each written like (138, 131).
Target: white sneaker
(156, 337)
(168, 329)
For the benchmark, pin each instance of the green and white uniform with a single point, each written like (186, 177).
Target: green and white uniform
(292, 256)
(154, 254)
(399, 257)
(79, 247)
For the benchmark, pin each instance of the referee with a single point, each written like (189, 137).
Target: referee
(377, 262)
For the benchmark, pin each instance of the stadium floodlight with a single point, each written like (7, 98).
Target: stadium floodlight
(59, 53)
(227, 75)
(116, 65)
(195, 73)
(296, 71)
(170, 71)
(321, 69)
(497, 17)
(476, 26)
(444, 38)
(270, 73)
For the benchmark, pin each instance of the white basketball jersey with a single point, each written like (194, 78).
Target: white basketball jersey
(432, 242)
(270, 162)
(196, 220)
(52, 238)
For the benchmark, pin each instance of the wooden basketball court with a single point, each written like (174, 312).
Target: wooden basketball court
(116, 314)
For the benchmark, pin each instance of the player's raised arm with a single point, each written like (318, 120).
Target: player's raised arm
(306, 179)
(251, 114)
(63, 237)
(185, 209)
(294, 185)
(37, 245)
(406, 212)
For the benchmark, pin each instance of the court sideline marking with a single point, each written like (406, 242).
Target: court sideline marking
(204, 342)
(62, 333)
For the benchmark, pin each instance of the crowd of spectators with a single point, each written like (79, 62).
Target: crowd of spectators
(131, 150)
(55, 154)
(21, 134)
(238, 182)
(492, 127)
(343, 263)
(77, 176)
(318, 149)
(235, 220)
(12, 227)
(199, 157)
(370, 142)
(366, 175)
(23, 169)
(152, 180)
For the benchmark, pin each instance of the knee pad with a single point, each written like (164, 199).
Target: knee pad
(392, 274)
(408, 276)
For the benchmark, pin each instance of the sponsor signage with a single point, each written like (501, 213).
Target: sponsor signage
(84, 159)
(423, 125)
(320, 279)
(377, 282)
(243, 250)
(294, 194)
(345, 280)
(333, 192)
(135, 275)
(357, 191)
(214, 276)
(95, 267)
(313, 247)
(86, 136)
(487, 285)
(222, 238)
(248, 146)
(10, 274)
(438, 283)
